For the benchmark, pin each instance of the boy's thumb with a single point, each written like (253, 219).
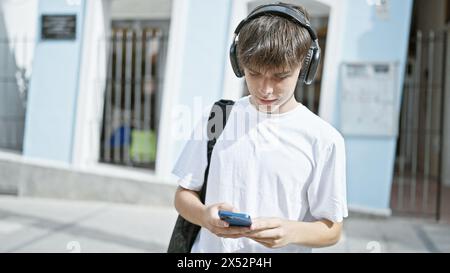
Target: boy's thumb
(227, 207)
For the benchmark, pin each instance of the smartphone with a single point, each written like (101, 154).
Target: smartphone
(235, 219)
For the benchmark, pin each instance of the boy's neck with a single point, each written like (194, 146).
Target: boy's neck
(289, 105)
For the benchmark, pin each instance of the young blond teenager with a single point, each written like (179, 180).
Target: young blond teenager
(275, 160)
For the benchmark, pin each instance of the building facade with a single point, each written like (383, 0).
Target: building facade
(101, 110)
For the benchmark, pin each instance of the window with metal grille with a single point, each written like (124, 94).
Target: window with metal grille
(132, 97)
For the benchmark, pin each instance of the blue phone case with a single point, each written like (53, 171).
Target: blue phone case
(235, 219)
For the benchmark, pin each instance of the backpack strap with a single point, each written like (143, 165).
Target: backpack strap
(217, 120)
(184, 232)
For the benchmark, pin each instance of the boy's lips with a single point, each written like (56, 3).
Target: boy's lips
(266, 102)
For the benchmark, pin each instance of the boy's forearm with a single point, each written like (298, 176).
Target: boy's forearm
(315, 234)
(188, 205)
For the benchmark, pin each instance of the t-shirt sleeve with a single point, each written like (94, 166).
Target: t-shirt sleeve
(191, 164)
(327, 195)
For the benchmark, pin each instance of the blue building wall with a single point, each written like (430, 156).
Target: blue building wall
(366, 38)
(50, 121)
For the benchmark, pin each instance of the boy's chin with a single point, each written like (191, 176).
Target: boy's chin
(269, 109)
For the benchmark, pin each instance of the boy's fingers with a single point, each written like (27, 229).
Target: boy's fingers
(265, 234)
(227, 207)
(232, 230)
(220, 223)
(261, 224)
(232, 236)
(265, 243)
(239, 230)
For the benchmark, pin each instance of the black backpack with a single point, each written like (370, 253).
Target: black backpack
(185, 232)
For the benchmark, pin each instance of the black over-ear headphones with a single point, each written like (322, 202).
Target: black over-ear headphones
(312, 59)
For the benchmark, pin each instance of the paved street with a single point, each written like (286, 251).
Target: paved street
(48, 225)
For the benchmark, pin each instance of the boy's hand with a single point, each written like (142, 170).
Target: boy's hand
(215, 225)
(270, 232)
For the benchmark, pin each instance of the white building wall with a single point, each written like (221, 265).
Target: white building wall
(17, 36)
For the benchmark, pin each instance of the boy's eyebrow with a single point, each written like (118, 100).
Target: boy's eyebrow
(276, 74)
(283, 73)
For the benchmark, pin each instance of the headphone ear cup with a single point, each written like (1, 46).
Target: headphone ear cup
(305, 66)
(313, 66)
(234, 61)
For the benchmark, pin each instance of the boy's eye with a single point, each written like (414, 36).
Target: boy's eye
(283, 77)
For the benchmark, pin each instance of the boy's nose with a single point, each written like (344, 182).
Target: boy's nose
(266, 90)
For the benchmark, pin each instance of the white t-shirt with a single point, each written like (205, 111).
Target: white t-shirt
(289, 165)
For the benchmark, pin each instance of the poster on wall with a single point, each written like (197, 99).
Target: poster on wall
(369, 99)
(58, 27)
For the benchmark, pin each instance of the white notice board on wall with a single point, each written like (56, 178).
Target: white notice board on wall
(369, 99)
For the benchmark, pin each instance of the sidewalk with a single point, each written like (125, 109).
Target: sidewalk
(47, 225)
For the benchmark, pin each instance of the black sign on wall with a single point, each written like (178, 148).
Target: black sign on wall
(58, 27)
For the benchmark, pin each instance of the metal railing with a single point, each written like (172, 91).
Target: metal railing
(15, 73)
(133, 86)
(417, 180)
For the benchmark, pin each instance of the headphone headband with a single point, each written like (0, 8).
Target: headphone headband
(312, 59)
(281, 10)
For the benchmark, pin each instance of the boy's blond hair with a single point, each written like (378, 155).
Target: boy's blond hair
(273, 42)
